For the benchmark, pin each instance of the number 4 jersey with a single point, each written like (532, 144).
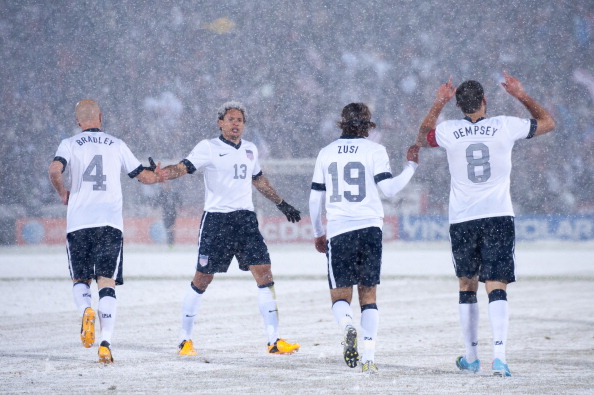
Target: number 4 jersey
(479, 158)
(345, 177)
(95, 160)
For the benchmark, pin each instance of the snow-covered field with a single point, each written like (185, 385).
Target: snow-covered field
(550, 348)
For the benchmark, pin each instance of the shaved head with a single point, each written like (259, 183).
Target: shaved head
(88, 114)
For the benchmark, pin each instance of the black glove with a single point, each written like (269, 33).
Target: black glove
(293, 215)
(152, 166)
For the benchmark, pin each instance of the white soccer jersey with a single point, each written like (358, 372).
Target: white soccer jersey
(348, 170)
(228, 170)
(479, 159)
(96, 160)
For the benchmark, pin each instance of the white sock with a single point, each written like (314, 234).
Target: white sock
(269, 311)
(343, 314)
(499, 317)
(469, 320)
(81, 292)
(369, 326)
(107, 312)
(190, 307)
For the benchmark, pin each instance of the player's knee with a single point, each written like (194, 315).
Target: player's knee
(467, 297)
(497, 294)
(107, 291)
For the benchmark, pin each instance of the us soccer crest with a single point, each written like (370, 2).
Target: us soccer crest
(249, 154)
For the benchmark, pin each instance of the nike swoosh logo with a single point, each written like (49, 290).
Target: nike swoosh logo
(193, 315)
(222, 154)
(272, 311)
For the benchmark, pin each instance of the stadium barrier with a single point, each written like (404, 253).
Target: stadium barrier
(278, 230)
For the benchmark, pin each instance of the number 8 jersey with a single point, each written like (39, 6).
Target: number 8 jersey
(348, 171)
(479, 158)
(95, 160)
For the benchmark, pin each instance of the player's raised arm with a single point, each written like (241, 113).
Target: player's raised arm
(544, 121)
(444, 94)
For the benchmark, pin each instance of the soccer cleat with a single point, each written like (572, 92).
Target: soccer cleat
(105, 352)
(500, 369)
(463, 364)
(87, 328)
(369, 368)
(351, 355)
(281, 346)
(187, 348)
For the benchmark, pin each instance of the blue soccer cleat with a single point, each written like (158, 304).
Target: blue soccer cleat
(500, 369)
(463, 364)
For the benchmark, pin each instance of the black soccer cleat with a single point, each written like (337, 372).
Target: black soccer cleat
(351, 355)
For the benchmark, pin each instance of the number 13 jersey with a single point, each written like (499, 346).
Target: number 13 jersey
(95, 160)
(479, 159)
(228, 172)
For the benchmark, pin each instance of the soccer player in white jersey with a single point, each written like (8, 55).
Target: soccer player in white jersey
(94, 222)
(229, 226)
(346, 178)
(481, 216)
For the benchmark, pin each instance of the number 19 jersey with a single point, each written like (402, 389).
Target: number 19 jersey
(96, 160)
(479, 159)
(348, 170)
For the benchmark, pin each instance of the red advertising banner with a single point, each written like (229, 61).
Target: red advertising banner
(151, 231)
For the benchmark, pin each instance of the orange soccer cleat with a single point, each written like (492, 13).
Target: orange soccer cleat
(187, 348)
(281, 346)
(87, 328)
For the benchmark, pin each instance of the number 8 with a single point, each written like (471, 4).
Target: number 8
(482, 161)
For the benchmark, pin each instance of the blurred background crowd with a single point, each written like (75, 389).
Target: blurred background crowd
(161, 69)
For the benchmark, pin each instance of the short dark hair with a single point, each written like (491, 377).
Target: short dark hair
(356, 120)
(469, 96)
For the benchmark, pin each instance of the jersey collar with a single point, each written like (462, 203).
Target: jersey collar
(350, 136)
(92, 130)
(477, 121)
(224, 140)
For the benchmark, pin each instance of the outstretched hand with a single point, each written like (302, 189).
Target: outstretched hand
(292, 214)
(512, 85)
(162, 175)
(412, 155)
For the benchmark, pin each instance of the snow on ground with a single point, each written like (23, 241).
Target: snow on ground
(550, 346)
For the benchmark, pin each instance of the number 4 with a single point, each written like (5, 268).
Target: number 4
(98, 178)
